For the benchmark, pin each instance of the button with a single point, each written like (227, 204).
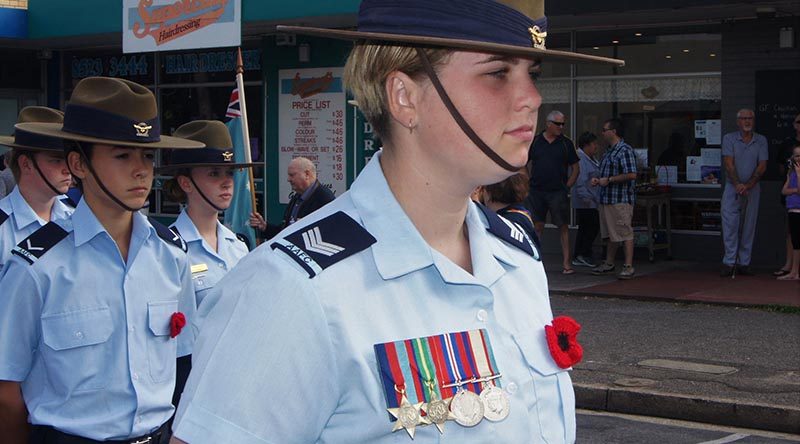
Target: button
(511, 388)
(131, 328)
(135, 376)
(79, 335)
(482, 315)
(221, 265)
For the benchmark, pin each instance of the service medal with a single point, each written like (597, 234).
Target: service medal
(408, 416)
(495, 403)
(467, 408)
(438, 411)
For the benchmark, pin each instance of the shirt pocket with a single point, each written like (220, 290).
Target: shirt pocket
(553, 392)
(162, 350)
(77, 349)
(202, 285)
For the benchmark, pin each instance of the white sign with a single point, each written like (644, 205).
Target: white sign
(168, 25)
(693, 164)
(311, 121)
(711, 156)
(700, 130)
(714, 132)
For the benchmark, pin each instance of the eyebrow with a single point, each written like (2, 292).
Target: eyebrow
(513, 60)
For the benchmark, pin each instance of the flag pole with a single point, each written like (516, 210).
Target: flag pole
(245, 130)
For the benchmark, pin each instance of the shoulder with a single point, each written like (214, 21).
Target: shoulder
(509, 232)
(324, 242)
(168, 235)
(35, 246)
(324, 192)
(568, 141)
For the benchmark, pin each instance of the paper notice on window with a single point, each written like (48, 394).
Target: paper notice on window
(711, 156)
(641, 158)
(667, 174)
(700, 129)
(693, 164)
(714, 132)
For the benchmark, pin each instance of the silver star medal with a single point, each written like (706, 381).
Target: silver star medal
(438, 411)
(467, 408)
(408, 416)
(495, 403)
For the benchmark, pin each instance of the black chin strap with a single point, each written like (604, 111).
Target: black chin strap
(100, 182)
(203, 195)
(38, 170)
(426, 63)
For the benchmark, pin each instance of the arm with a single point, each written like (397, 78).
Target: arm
(13, 414)
(576, 169)
(786, 191)
(757, 174)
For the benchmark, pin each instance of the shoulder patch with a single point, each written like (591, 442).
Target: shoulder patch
(509, 232)
(169, 235)
(40, 242)
(3, 217)
(325, 242)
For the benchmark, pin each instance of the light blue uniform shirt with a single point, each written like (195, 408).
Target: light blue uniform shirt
(746, 156)
(22, 222)
(288, 359)
(88, 334)
(208, 266)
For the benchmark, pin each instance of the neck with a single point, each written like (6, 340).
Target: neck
(40, 201)
(747, 134)
(205, 220)
(436, 206)
(550, 137)
(117, 221)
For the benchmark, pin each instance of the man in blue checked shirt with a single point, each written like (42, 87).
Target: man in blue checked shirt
(617, 196)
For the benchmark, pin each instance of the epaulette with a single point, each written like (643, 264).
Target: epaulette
(325, 242)
(3, 217)
(40, 242)
(509, 232)
(168, 235)
(244, 240)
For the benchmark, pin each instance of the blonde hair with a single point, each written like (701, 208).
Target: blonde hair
(366, 71)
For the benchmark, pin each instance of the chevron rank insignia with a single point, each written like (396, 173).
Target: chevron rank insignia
(40, 242)
(325, 242)
(168, 235)
(510, 232)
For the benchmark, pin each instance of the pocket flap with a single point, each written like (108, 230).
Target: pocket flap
(77, 328)
(159, 315)
(537, 354)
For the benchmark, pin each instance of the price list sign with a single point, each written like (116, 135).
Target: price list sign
(312, 125)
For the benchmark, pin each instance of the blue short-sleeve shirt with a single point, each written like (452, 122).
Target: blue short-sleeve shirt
(285, 358)
(22, 221)
(208, 266)
(746, 155)
(88, 334)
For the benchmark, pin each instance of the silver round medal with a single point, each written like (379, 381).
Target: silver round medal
(495, 403)
(467, 408)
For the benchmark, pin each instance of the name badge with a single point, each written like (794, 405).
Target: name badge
(199, 268)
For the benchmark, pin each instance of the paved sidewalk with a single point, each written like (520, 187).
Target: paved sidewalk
(737, 364)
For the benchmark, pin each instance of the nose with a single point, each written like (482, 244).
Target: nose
(529, 96)
(142, 166)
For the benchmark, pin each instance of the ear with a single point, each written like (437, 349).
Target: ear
(77, 165)
(403, 93)
(185, 183)
(24, 162)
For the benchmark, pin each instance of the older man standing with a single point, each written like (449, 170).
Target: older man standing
(308, 196)
(550, 156)
(745, 156)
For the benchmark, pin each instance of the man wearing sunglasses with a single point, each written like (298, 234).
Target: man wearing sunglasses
(553, 165)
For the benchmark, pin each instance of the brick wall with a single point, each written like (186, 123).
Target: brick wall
(21, 4)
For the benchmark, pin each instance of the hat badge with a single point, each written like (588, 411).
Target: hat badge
(227, 156)
(538, 36)
(143, 129)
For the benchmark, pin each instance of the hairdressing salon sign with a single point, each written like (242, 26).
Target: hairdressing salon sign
(167, 25)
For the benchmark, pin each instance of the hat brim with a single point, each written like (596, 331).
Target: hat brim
(7, 142)
(168, 168)
(54, 130)
(469, 45)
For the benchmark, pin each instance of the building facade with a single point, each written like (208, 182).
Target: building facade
(690, 65)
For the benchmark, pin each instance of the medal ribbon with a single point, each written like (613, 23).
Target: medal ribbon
(423, 355)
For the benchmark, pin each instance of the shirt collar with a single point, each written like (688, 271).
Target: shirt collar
(188, 230)
(86, 226)
(24, 215)
(400, 248)
(307, 193)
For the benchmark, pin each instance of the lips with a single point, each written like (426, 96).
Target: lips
(524, 132)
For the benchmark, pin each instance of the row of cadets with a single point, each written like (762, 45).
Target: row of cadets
(92, 305)
(203, 181)
(42, 176)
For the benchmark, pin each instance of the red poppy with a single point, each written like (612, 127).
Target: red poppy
(562, 340)
(176, 324)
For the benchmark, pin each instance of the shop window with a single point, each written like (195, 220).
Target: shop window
(652, 51)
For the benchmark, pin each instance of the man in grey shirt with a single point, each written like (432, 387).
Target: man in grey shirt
(744, 155)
